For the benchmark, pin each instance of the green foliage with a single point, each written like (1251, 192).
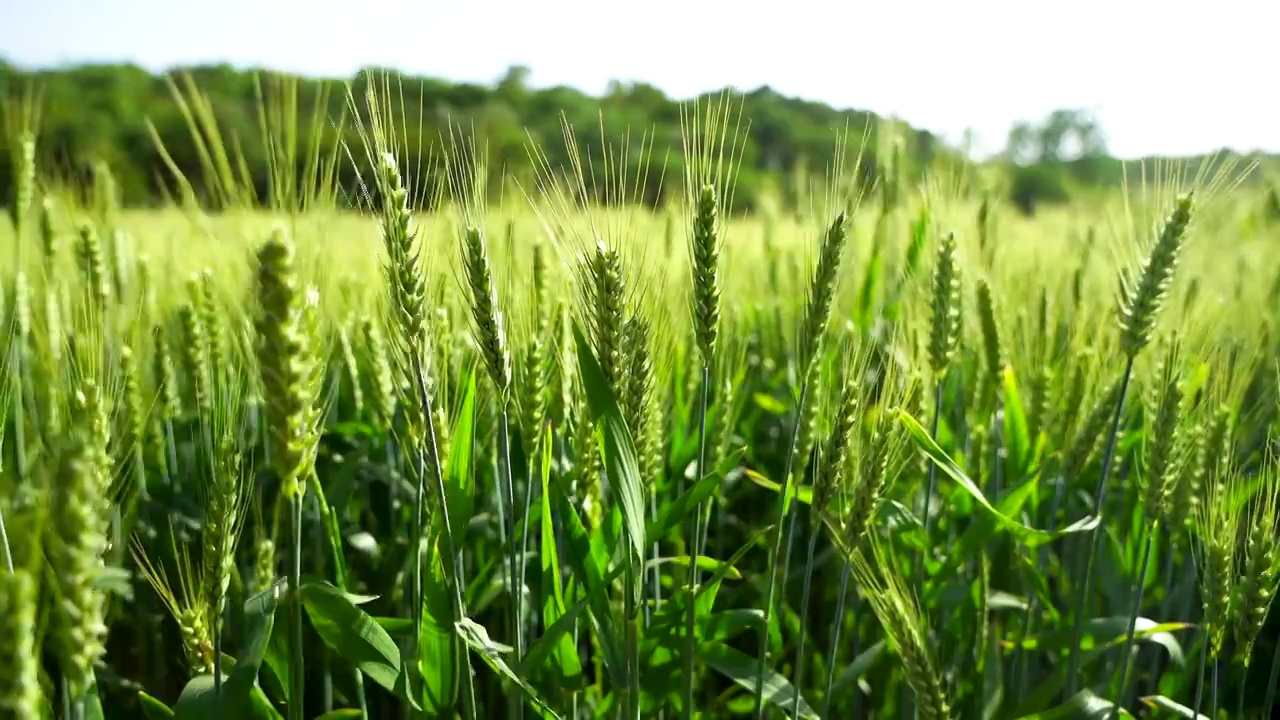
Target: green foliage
(552, 573)
(1034, 185)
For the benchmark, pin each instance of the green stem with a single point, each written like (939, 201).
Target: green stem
(1095, 535)
(1272, 681)
(4, 544)
(1213, 690)
(657, 569)
(296, 705)
(633, 642)
(1244, 678)
(1166, 603)
(776, 549)
(456, 580)
(694, 543)
(1140, 581)
(216, 631)
(506, 494)
(528, 509)
(836, 626)
(171, 448)
(515, 562)
(931, 488)
(340, 577)
(206, 434)
(804, 612)
(1204, 658)
(20, 458)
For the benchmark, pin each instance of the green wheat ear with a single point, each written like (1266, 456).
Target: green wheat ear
(22, 307)
(381, 377)
(822, 290)
(184, 601)
(408, 290)
(899, 613)
(195, 358)
(93, 265)
(1259, 572)
(638, 401)
(535, 400)
(1085, 442)
(836, 452)
(608, 299)
(990, 330)
(20, 695)
(489, 333)
(24, 180)
(133, 424)
(1165, 437)
(944, 329)
(78, 543)
(50, 240)
(1142, 301)
(283, 358)
(1217, 523)
(706, 262)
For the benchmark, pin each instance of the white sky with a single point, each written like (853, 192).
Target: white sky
(1162, 77)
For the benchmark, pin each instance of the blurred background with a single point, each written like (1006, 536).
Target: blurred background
(1048, 95)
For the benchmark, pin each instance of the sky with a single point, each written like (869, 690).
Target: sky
(1170, 77)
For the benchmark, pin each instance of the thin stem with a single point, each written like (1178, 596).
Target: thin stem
(216, 624)
(1204, 658)
(1095, 535)
(1244, 677)
(1272, 681)
(1140, 582)
(4, 545)
(295, 631)
(419, 519)
(980, 567)
(506, 494)
(804, 612)
(319, 536)
(515, 576)
(932, 486)
(326, 686)
(20, 459)
(694, 543)
(633, 642)
(836, 626)
(657, 555)
(1213, 691)
(789, 551)
(776, 548)
(171, 448)
(456, 579)
(528, 507)
(1166, 602)
(216, 631)
(19, 415)
(330, 533)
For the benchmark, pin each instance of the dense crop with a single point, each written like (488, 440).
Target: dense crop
(901, 454)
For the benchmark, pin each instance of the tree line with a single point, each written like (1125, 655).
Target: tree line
(220, 126)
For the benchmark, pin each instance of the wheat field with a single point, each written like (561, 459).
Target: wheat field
(901, 453)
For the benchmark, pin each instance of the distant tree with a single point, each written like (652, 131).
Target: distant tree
(1272, 207)
(1032, 185)
(101, 113)
(1067, 146)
